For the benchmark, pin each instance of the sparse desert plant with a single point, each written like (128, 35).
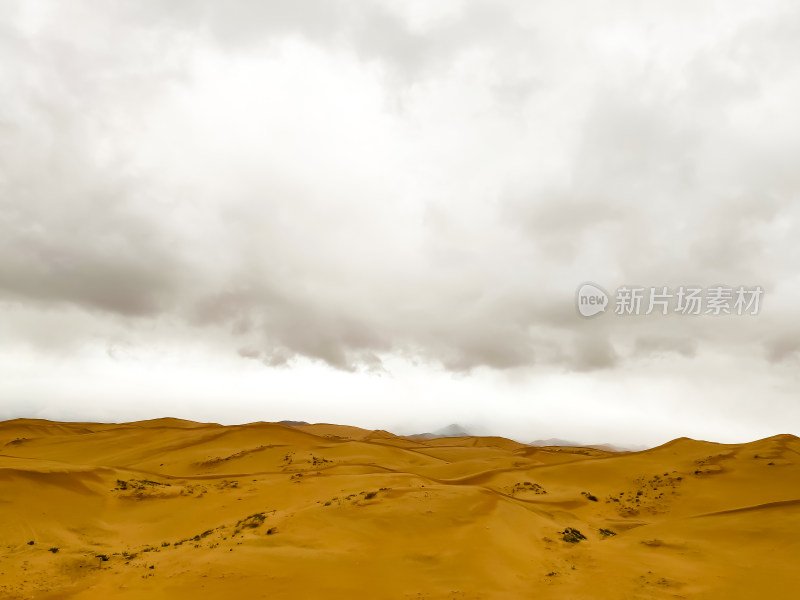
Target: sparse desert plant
(200, 536)
(572, 535)
(31, 543)
(527, 486)
(53, 549)
(589, 496)
(606, 532)
(370, 495)
(253, 521)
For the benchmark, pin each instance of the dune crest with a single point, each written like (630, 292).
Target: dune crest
(168, 508)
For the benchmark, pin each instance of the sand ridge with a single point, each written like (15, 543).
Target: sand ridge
(168, 508)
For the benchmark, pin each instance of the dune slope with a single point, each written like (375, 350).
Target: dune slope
(172, 509)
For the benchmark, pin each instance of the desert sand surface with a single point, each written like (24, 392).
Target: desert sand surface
(175, 509)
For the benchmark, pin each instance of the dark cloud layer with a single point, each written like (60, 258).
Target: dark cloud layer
(344, 181)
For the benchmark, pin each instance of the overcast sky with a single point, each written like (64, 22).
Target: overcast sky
(378, 213)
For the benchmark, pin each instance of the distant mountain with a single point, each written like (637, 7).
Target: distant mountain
(555, 442)
(571, 444)
(628, 448)
(455, 430)
(452, 430)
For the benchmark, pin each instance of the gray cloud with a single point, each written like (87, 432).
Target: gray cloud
(783, 348)
(241, 172)
(75, 224)
(664, 345)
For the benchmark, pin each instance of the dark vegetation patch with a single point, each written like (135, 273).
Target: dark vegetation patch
(242, 453)
(355, 498)
(252, 522)
(572, 535)
(139, 484)
(607, 533)
(650, 495)
(527, 486)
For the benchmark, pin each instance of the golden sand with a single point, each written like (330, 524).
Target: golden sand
(175, 509)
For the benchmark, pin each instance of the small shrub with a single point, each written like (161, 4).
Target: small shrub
(572, 535)
(53, 549)
(370, 496)
(606, 532)
(31, 543)
(252, 521)
(527, 486)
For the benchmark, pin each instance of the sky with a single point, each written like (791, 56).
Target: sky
(379, 213)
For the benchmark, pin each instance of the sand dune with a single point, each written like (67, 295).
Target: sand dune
(171, 509)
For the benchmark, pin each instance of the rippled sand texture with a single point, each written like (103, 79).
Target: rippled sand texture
(175, 509)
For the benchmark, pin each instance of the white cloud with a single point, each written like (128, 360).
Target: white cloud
(369, 186)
